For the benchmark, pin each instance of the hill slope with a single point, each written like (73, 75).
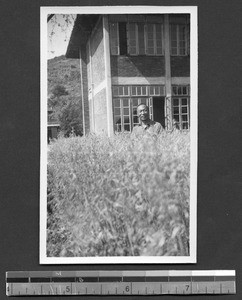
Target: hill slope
(64, 94)
(64, 72)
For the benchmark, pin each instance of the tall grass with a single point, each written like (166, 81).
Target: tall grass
(119, 196)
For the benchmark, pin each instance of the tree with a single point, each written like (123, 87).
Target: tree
(66, 110)
(70, 118)
(63, 21)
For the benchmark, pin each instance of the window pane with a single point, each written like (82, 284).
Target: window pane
(182, 32)
(152, 90)
(133, 91)
(173, 32)
(134, 111)
(126, 111)
(123, 38)
(159, 51)
(117, 127)
(150, 39)
(120, 91)
(184, 101)
(132, 38)
(185, 125)
(143, 100)
(116, 102)
(117, 111)
(135, 120)
(135, 101)
(176, 117)
(162, 90)
(182, 51)
(126, 90)
(114, 38)
(117, 120)
(184, 117)
(158, 39)
(141, 38)
(144, 90)
(115, 91)
(175, 102)
(173, 51)
(126, 119)
(184, 110)
(184, 90)
(176, 110)
(174, 90)
(179, 90)
(138, 90)
(125, 102)
(127, 127)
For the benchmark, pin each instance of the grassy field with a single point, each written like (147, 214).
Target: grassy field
(119, 196)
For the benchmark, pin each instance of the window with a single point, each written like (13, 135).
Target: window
(181, 107)
(136, 38)
(179, 39)
(156, 90)
(118, 38)
(132, 39)
(125, 108)
(180, 90)
(114, 38)
(145, 39)
(154, 39)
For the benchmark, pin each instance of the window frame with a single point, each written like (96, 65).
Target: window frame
(117, 37)
(154, 39)
(178, 48)
(131, 97)
(136, 38)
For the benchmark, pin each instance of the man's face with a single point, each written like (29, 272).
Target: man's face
(143, 112)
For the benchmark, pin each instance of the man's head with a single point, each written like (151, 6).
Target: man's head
(143, 112)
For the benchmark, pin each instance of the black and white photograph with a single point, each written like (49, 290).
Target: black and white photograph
(119, 127)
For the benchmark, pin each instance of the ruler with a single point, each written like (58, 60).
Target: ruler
(35, 283)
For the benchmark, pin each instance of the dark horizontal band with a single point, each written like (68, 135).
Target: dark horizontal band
(156, 279)
(110, 279)
(63, 279)
(40, 279)
(203, 278)
(180, 278)
(224, 278)
(23, 279)
(134, 279)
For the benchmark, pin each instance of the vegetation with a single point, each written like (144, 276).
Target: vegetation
(119, 196)
(64, 94)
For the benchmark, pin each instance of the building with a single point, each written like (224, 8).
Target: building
(130, 59)
(53, 126)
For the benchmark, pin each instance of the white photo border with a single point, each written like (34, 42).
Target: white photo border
(192, 10)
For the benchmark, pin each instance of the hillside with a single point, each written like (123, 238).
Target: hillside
(64, 95)
(64, 72)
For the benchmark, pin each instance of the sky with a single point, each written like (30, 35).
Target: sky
(59, 31)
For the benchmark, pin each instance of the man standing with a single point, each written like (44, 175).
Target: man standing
(146, 125)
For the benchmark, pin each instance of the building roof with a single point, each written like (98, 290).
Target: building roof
(82, 28)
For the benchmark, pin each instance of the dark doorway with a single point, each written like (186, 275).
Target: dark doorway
(159, 110)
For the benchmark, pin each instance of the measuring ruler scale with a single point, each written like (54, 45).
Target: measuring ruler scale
(43, 283)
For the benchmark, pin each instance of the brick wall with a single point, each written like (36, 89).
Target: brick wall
(180, 66)
(97, 53)
(140, 66)
(100, 112)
